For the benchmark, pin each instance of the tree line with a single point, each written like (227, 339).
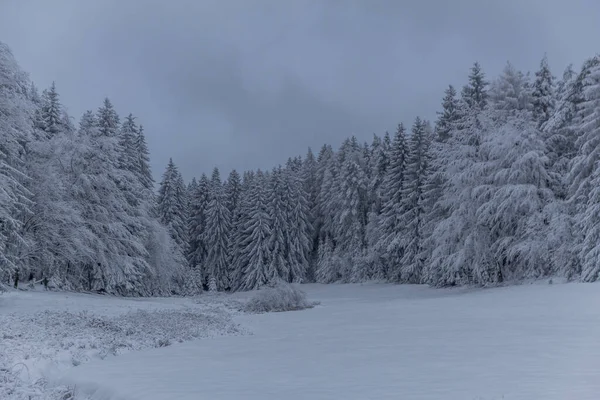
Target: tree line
(501, 187)
(77, 203)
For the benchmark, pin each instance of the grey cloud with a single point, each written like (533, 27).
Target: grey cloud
(247, 83)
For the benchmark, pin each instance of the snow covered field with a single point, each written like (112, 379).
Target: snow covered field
(45, 333)
(363, 342)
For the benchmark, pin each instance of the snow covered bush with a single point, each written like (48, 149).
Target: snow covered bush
(280, 297)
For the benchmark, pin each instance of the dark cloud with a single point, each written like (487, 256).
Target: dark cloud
(247, 83)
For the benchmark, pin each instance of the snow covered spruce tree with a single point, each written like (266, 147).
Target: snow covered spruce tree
(515, 188)
(233, 191)
(328, 196)
(239, 219)
(559, 132)
(130, 182)
(254, 260)
(379, 161)
(389, 250)
(512, 199)
(15, 203)
(584, 175)
(191, 189)
(216, 235)
(352, 210)
(171, 205)
(311, 186)
(322, 212)
(475, 92)
(143, 169)
(56, 225)
(440, 155)
(412, 204)
(120, 259)
(298, 226)
(544, 99)
(497, 195)
(288, 211)
(279, 203)
(510, 93)
(456, 247)
(51, 112)
(196, 251)
(448, 116)
(328, 208)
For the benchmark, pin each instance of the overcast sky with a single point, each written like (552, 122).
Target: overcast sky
(247, 83)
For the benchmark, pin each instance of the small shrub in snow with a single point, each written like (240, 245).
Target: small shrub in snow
(280, 297)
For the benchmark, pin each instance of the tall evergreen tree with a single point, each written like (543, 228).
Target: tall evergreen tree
(56, 225)
(51, 111)
(559, 130)
(15, 203)
(108, 120)
(390, 250)
(191, 189)
(171, 205)
(239, 219)
(325, 208)
(511, 198)
(450, 262)
(218, 226)
(119, 261)
(475, 92)
(380, 160)
(233, 191)
(412, 209)
(255, 258)
(130, 181)
(308, 176)
(583, 174)
(543, 93)
(127, 139)
(352, 211)
(585, 124)
(298, 227)
(197, 249)
(449, 114)
(279, 241)
(310, 185)
(143, 168)
(510, 93)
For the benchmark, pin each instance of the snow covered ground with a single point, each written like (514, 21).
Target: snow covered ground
(363, 342)
(45, 333)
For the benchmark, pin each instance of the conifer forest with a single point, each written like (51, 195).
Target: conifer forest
(503, 186)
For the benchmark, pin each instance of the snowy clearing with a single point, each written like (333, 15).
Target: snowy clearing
(46, 333)
(380, 342)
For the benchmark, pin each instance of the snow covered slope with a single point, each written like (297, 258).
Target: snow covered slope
(381, 342)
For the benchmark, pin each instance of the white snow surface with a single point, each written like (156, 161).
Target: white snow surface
(371, 341)
(43, 333)
(380, 342)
